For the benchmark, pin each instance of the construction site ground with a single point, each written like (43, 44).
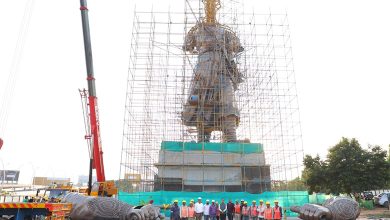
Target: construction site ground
(377, 213)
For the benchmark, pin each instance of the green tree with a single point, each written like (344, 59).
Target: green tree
(377, 168)
(348, 168)
(314, 174)
(296, 184)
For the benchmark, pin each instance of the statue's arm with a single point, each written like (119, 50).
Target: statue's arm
(190, 40)
(233, 43)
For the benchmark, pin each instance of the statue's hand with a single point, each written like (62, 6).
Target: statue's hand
(336, 208)
(312, 212)
(150, 212)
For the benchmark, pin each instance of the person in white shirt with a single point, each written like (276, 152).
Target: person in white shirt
(206, 211)
(199, 209)
(261, 209)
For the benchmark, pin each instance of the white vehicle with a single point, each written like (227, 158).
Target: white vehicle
(382, 199)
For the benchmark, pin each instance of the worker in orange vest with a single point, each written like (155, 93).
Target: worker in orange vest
(253, 211)
(268, 211)
(277, 210)
(191, 210)
(245, 211)
(237, 211)
(184, 211)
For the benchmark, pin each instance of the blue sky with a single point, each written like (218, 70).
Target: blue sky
(341, 57)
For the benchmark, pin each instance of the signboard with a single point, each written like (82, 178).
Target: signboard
(9, 175)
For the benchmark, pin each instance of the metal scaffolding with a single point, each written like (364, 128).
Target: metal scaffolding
(159, 83)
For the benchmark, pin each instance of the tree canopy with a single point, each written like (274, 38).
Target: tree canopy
(348, 168)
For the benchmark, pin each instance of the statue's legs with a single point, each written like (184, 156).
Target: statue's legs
(229, 126)
(203, 136)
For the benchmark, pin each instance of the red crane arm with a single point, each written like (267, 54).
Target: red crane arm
(97, 147)
(97, 152)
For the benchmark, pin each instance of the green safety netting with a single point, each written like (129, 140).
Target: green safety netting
(318, 198)
(285, 198)
(241, 148)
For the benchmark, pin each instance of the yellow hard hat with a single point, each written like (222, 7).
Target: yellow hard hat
(184, 201)
(176, 201)
(267, 203)
(254, 201)
(261, 200)
(276, 201)
(191, 200)
(245, 202)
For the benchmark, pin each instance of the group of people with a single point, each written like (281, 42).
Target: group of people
(214, 211)
(31, 199)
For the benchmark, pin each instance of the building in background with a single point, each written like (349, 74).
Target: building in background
(83, 180)
(47, 181)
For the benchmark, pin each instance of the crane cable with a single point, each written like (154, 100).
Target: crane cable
(14, 70)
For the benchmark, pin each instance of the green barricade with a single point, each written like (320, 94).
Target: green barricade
(367, 204)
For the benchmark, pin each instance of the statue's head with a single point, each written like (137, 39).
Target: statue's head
(210, 8)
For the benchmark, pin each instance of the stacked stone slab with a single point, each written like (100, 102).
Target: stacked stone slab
(232, 167)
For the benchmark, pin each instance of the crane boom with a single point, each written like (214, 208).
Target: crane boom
(97, 152)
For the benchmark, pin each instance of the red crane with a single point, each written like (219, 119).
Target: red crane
(93, 135)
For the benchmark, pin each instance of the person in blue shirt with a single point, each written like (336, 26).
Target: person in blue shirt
(175, 211)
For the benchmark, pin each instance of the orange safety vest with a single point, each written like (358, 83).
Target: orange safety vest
(254, 211)
(277, 214)
(245, 210)
(191, 211)
(184, 212)
(268, 213)
(237, 209)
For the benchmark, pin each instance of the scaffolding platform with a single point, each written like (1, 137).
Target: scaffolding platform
(178, 124)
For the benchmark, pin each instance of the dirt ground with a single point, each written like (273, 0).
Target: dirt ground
(377, 213)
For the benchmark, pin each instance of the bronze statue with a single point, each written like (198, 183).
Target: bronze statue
(336, 208)
(211, 105)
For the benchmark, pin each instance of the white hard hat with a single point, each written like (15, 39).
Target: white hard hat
(207, 200)
(199, 197)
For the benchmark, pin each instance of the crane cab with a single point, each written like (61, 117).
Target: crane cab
(105, 189)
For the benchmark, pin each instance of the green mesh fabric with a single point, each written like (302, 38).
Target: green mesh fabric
(318, 198)
(367, 204)
(241, 148)
(285, 198)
